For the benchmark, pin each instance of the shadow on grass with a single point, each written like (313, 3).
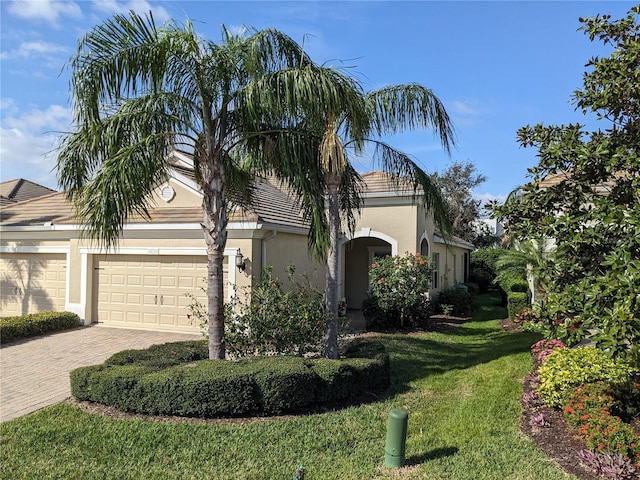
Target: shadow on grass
(480, 340)
(431, 455)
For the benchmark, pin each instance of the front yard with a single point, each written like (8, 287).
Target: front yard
(461, 387)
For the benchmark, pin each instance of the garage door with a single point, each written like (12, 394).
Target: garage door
(149, 293)
(32, 282)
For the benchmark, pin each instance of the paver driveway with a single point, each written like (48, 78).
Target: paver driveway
(34, 373)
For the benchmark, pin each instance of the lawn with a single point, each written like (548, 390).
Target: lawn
(461, 390)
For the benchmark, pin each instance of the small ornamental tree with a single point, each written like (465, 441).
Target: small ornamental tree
(590, 202)
(400, 287)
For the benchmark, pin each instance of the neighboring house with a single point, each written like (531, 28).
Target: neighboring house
(143, 282)
(496, 228)
(18, 190)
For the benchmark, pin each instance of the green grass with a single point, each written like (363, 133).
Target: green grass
(461, 390)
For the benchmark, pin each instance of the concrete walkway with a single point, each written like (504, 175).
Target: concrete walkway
(34, 373)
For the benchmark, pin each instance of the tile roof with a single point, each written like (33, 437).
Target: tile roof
(6, 201)
(20, 190)
(381, 182)
(273, 206)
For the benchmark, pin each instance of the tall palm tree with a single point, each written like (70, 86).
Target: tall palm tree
(138, 89)
(383, 112)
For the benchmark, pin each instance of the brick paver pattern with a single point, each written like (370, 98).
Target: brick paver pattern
(34, 373)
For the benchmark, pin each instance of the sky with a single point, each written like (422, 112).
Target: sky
(496, 66)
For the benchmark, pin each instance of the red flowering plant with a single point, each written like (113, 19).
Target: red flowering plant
(400, 289)
(588, 409)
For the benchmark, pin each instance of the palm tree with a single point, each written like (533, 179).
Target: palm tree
(525, 260)
(138, 89)
(380, 113)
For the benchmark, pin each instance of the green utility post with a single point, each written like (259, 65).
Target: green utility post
(396, 438)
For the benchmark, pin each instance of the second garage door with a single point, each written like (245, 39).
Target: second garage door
(32, 282)
(149, 292)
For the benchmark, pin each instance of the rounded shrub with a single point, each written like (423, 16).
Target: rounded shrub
(174, 379)
(567, 368)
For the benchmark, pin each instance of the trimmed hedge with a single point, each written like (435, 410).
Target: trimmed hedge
(516, 303)
(178, 379)
(15, 328)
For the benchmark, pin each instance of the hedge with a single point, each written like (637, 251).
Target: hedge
(516, 303)
(15, 328)
(178, 379)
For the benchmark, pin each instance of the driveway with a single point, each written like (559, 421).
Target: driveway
(34, 373)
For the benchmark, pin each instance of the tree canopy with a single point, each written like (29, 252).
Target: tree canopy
(241, 107)
(584, 194)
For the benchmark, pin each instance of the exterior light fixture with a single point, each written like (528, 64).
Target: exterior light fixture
(240, 261)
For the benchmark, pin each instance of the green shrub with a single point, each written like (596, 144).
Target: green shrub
(567, 368)
(163, 355)
(274, 320)
(473, 288)
(14, 328)
(183, 385)
(283, 384)
(400, 287)
(519, 287)
(459, 299)
(517, 302)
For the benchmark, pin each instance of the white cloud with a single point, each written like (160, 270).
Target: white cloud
(27, 142)
(466, 113)
(50, 11)
(160, 14)
(33, 49)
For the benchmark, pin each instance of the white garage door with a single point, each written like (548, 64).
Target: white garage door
(32, 282)
(149, 292)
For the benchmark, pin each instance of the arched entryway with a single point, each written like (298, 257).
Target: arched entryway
(359, 253)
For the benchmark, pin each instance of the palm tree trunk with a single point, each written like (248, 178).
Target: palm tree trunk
(215, 233)
(331, 336)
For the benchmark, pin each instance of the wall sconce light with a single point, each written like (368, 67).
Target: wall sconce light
(240, 261)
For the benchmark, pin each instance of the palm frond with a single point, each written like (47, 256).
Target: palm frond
(406, 107)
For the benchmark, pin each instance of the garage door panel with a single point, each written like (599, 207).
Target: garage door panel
(154, 291)
(32, 282)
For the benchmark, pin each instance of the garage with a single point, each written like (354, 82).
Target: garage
(148, 291)
(32, 282)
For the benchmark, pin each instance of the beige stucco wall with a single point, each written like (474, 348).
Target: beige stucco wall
(397, 221)
(288, 248)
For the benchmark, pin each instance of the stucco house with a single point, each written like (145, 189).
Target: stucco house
(45, 263)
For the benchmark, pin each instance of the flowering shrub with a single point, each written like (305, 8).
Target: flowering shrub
(542, 349)
(567, 368)
(588, 410)
(265, 318)
(400, 290)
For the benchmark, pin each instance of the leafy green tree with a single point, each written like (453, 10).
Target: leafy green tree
(457, 183)
(138, 90)
(347, 133)
(584, 195)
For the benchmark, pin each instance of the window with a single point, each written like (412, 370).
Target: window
(435, 264)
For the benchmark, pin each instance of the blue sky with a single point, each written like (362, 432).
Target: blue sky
(497, 66)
